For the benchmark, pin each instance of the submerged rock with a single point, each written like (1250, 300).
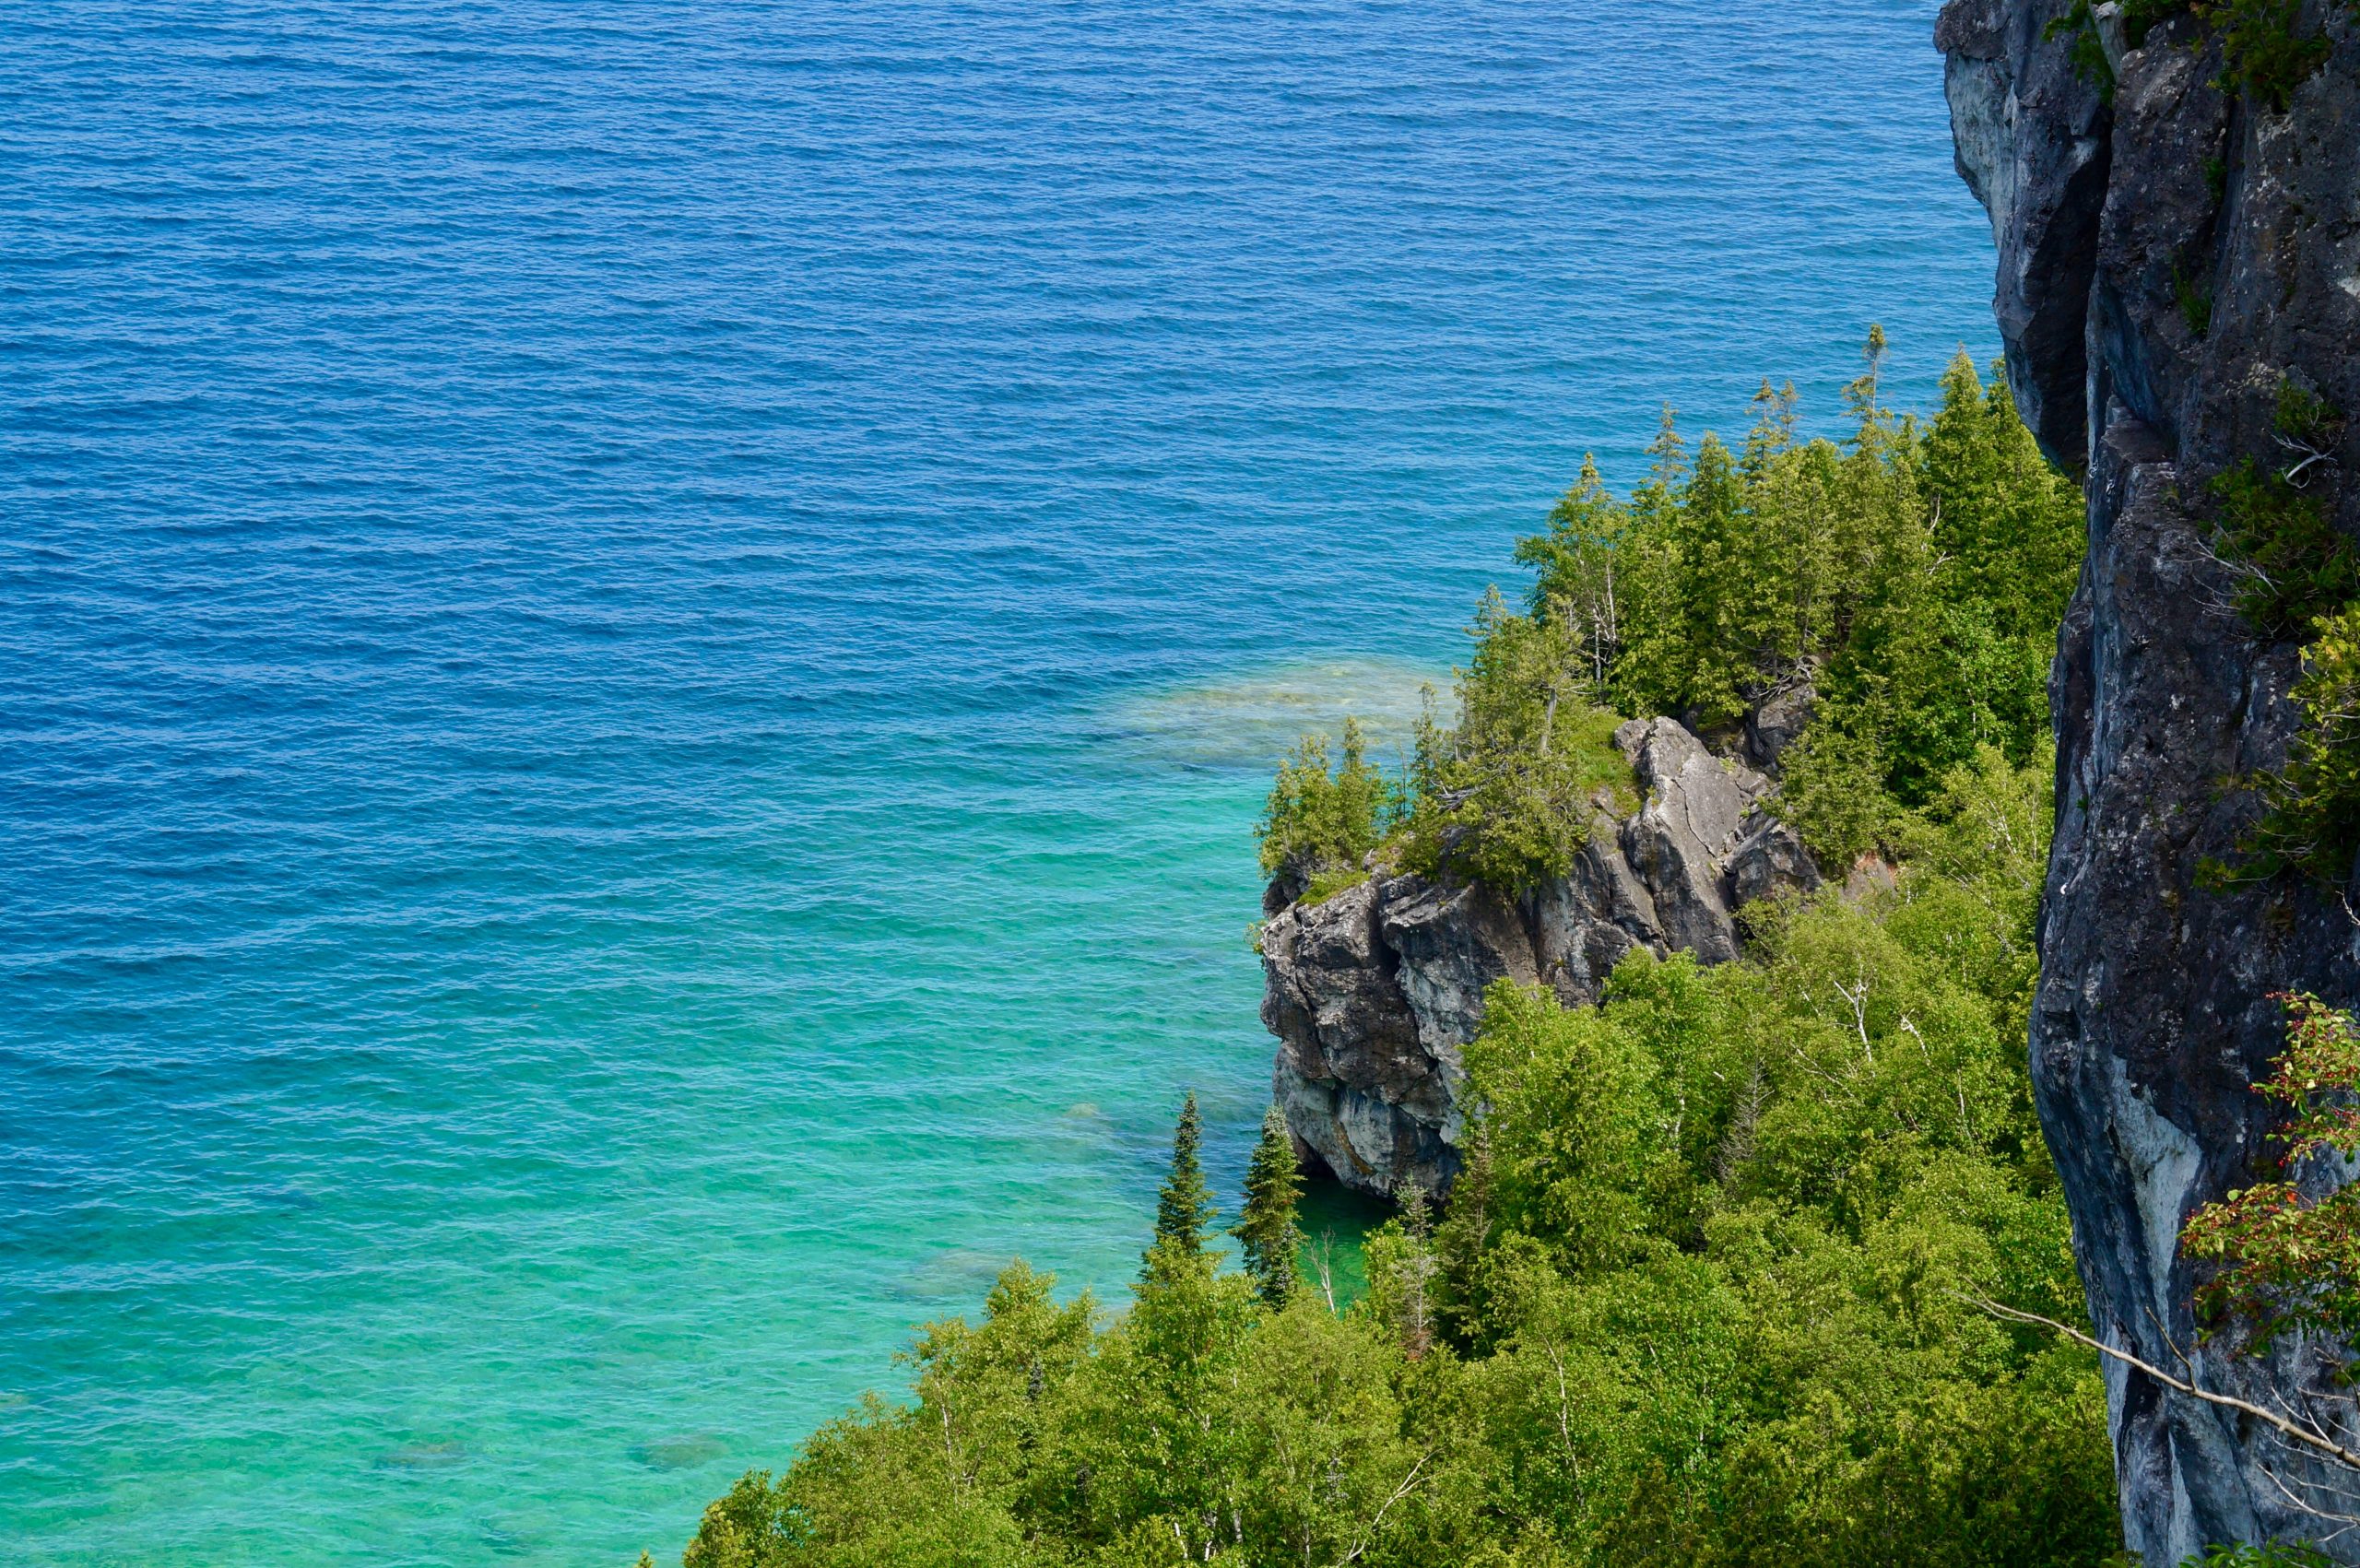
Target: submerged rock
(1374, 991)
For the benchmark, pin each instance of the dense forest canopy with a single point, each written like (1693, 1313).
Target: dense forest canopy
(1912, 578)
(1706, 1290)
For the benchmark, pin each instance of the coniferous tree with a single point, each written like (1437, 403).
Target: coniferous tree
(1186, 1205)
(1401, 1265)
(1266, 1229)
(1459, 1241)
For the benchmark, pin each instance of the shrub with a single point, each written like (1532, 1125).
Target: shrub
(2291, 564)
(1318, 821)
(2310, 820)
(2288, 1261)
(2262, 53)
(1508, 795)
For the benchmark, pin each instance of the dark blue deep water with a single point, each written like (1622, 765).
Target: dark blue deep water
(638, 643)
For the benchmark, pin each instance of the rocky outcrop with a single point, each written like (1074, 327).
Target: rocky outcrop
(1777, 721)
(2165, 262)
(1373, 991)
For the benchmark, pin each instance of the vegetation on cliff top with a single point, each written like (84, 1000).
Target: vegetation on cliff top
(1701, 1293)
(1912, 578)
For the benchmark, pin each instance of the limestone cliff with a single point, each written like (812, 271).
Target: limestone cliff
(2166, 260)
(1373, 991)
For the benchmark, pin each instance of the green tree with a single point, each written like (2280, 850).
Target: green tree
(1266, 1229)
(1508, 796)
(2311, 822)
(751, 1525)
(1318, 821)
(1184, 1205)
(1914, 574)
(1696, 1297)
(1577, 564)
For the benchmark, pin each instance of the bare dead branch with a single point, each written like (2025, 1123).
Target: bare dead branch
(1399, 1493)
(2285, 1426)
(2344, 1522)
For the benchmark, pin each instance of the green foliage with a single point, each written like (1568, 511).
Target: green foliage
(1571, 1102)
(2292, 564)
(2261, 52)
(750, 1526)
(1696, 1300)
(1916, 574)
(1730, 1211)
(1834, 791)
(1506, 797)
(1185, 1206)
(2194, 296)
(2310, 820)
(1699, 1293)
(2296, 571)
(2267, 1554)
(1265, 1231)
(2288, 1261)
(1318, 821)
(1402, 1269)
(1328, 881)
(2079, 27)
(2307, 420)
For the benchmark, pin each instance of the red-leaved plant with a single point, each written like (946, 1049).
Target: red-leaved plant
(2289, 1262)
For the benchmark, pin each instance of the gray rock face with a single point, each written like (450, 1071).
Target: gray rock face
(1373, 992)
(2153, 1014)
(2032, 145)
(1778, 721)
(1679, 842)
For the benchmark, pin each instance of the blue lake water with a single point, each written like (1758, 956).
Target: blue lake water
(638, 644)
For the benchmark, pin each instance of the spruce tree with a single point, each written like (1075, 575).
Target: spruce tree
(1184, 1205)
(1266, 1229)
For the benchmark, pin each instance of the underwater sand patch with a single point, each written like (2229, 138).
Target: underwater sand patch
(424, 1456)
(677, 1453)
(1254, 717)
(959, 1273)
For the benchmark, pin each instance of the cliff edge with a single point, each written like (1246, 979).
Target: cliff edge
(1373, 991)
(2172, 255)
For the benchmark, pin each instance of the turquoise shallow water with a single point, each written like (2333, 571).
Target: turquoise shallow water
(638, 643)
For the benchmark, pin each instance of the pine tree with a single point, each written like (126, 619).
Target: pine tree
(1267, 1229)
(1186, 1205)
